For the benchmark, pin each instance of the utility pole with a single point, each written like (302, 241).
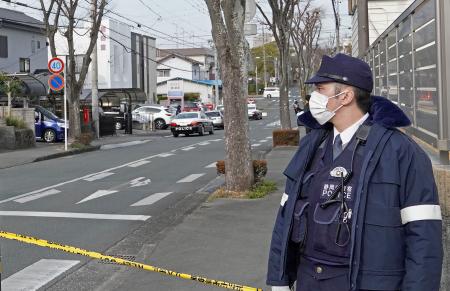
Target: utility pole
(363, 27)
(94, 71)
(256, 79)
(264, 57)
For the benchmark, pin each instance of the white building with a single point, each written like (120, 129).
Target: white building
(382, 13)
(23, 43)
(203, 56)
(201, 89)
(177, 66)
(125, 59)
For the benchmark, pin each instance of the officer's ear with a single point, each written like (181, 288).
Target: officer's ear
(348, 96)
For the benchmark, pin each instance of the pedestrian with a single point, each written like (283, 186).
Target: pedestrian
(360, 209)
(296, 107)
(178, 110)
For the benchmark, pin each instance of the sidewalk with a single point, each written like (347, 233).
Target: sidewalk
(224, 240)
(43, 151)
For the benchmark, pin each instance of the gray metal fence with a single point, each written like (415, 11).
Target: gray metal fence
(411, 67)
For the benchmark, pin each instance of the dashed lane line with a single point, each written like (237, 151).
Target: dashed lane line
(190, 178)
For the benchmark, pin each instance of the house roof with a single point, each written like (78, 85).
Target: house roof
(188, 52)
(174, 55)
(17, 19)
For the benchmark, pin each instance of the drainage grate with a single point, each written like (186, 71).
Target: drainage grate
(123, 257)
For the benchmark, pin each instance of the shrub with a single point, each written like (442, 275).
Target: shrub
(259, 168)
(17, 123)
(261, 189)
(85, 138)
(285, 137)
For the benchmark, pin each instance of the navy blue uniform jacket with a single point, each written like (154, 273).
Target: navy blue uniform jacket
(397, 239)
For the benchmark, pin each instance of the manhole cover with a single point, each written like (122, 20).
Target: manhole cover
(123, 257)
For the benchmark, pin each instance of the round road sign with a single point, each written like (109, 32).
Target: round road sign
(56, 82)
(56, 65)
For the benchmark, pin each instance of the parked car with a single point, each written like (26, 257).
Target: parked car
(48, 126)
(220, 108)
(253, 113)
(161, 117)
(217, 118)
(191, 122)
(190, 106)
(270, 92)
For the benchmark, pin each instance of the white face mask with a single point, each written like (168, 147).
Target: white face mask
(318, 107)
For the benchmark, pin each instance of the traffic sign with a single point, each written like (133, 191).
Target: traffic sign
(56, 82)
(55, 65)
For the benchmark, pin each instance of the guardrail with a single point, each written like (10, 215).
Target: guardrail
(411, 67)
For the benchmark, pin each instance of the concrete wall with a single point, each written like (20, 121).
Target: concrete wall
(26, 114)
(20, 44)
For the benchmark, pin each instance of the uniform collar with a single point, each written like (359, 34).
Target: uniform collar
(350, 131)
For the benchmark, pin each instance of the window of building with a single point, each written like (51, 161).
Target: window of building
(164, 73)
(24, 65)
(38, 44)
(33, 46)
(3, 46)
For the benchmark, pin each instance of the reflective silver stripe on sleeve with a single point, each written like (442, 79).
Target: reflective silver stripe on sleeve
(284, 198)
(420, 212)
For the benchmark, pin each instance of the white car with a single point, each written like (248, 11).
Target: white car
(191, 122)
(161, 117)
(270, 92)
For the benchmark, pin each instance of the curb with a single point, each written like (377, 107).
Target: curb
(68, 153)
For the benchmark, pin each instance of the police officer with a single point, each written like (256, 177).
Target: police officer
(360, 209)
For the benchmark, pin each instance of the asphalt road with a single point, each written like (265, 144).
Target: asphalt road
(98, 200)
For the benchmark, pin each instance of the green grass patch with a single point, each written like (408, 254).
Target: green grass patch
(78, 146)
(259, 190)
(17, 123)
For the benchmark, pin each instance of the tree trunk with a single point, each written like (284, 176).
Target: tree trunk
(285, 117)
(227, 19)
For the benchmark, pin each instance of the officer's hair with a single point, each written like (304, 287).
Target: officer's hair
(363, 98)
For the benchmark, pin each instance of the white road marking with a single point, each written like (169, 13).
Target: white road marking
(218, 139)
(37, 196)
(273, 124)
(90, 175)
(98, 194)
(152, 199)
(37, 275)
(213, 165)
(264, 114)
(74, 215)
(168, 136)
(188, 149)
(204, 143)
(269, 137)
(98, 176)
(263, 140)
(256, 145)
(138, 182)
(138, 164)
(190, 178)
(122, 145)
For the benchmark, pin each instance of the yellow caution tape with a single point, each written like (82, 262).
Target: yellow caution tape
(118, 261)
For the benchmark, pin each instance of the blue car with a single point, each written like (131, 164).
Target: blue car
(48, 126)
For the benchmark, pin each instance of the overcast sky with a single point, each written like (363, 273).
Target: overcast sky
(186, 22)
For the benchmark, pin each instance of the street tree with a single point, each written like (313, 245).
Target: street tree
(281, 26)
(11, 87)
(227, 21)
(306, 28)
(65, 17)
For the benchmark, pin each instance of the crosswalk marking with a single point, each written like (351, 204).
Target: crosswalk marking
(188, 149)
(37, 275)
(74, 215)
(190, 178)
(98, 176)
(152, 199)
(213, 165)
(37, 196)
(138, 164)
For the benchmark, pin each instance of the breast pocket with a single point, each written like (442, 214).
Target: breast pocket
(383, 240)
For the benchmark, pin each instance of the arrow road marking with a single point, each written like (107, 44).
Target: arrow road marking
(152, 199)
(37, 196)
(138, 183)
(98, 194)
(190, 178)
(98, 176)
